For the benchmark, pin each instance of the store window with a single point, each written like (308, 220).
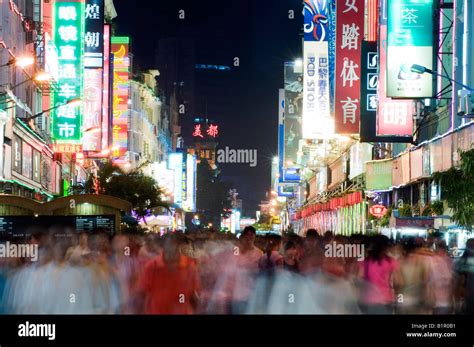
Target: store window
(27, 161)
(36, 166)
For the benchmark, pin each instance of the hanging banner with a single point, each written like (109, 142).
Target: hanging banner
(360, 153)
(350, 31)
(121, 90)
(66, 121)
(317, 120)
(94, 34)
(379, 175)
(410, 41)
(394, 117)
(293, 109)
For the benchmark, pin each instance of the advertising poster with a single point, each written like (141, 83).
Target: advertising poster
(293, 110)
(317, 119)
(410, 41)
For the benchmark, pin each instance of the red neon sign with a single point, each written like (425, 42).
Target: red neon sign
(213, 130)
(197, 131)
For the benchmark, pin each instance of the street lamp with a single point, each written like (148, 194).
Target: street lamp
(41, 76)
(21, 62)
(422, 69)
(72, 102)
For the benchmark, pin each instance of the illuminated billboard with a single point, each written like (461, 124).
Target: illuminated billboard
(317, 120)
(189, 204)
(175, 162)
(107, 82)
(350, 31)
(293, 96)
(92, 110)
(394, 117)
(121, 90)
(410, 41)
(68, 37)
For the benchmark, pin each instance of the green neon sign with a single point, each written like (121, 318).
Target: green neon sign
(69, 37)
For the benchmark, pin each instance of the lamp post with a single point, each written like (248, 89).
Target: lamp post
(72, 102)
(21, 62)
(420, 69)
(39, 77)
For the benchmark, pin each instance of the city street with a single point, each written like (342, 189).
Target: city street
(237, 158)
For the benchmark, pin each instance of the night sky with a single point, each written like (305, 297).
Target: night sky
(265, 37)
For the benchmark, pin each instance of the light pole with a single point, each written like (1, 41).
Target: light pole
(21, 62)
(39, 77)
(72, 102)
(420, 69)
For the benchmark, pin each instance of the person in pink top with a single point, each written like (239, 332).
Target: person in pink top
(441, 280)
(378, 271)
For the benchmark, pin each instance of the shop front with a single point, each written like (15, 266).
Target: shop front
(344, 215)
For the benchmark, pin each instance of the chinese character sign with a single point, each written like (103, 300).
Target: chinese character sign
(316, 119)
(410, 41)
(106, 120)
(94, 33)
(92, 109)
(121, 89)
(211, 131)
(350, 31)
(394, 117)
(68, 33)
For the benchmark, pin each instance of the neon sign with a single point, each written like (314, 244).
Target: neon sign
(212, 131)
(68, 33)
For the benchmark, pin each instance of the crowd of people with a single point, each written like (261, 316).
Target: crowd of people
(209, 272)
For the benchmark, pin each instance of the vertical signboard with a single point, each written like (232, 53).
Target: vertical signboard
(93, 75)
(94, 34)
(317, 120)
(368, 87)
(121, 90)
(410, 41)
(92, 109)
(350, 31)
(369, 84)
(106, 119)
(293, 109)
(394, 117)
(175, 162)
(68, 37)
(281, 132)
(190, 203)
(372, 20)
